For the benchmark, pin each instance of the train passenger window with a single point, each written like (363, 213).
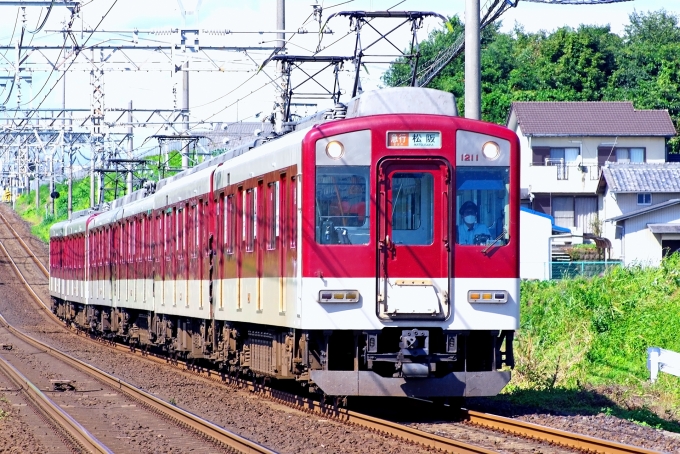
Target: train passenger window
(342, 205)
(482, 205)
(272, 214)
(229, 223)
(293, 212)
(133, 239)
(249, 219)
(196, 227)
(413, 208)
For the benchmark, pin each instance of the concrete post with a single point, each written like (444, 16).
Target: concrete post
(130, 148)
(473, 78)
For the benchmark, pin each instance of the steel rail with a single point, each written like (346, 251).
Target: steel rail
(182, 417)
(509, 425)
(78, 435)
(25, 246)
(557, 436)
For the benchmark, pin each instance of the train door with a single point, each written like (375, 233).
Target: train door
(414, 216)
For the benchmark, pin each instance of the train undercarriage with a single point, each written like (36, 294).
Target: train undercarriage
(424, 362)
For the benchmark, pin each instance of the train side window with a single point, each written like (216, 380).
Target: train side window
(196, 226)
(272, 214)
(230, 223)
(482, 205)
(143, 240)
(249, 219)
(133, 240)
(293, 216)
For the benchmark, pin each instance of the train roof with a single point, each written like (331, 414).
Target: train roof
(403, 100)
(286, 148)
(193, 184)
(196, 180)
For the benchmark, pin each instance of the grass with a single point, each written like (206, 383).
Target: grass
(590, 335)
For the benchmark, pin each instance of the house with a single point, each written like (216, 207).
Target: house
(565, 145)
(641, 210)
(536, 234)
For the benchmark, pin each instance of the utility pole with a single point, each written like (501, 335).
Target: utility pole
(280, 106)
(473, 78)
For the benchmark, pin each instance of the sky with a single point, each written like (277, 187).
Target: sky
(240, 92)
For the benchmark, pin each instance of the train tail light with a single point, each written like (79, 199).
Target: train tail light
(339, 296)
(488, 296)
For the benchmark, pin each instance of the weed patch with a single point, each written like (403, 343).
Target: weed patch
(593, 333)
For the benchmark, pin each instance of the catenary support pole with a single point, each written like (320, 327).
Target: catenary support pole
(473, 96)
(185, 114)
(130, 148)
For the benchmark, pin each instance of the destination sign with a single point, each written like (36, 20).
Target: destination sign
(403, 139)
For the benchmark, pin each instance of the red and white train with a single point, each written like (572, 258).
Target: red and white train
(371, 255)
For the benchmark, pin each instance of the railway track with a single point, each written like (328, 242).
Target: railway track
(432, 441)
(74, 435)
(185, 420)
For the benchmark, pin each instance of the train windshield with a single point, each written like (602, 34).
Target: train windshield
(482, 211)
(342, 205)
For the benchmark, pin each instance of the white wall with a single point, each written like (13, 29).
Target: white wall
(534, 246)
(543, 179)
(632, 241)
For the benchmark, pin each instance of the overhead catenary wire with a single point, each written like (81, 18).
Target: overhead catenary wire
(49, 10)
(83, 47)
(14, 29)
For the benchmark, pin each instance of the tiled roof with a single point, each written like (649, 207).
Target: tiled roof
(645, 210)
(591, 119)
(642, 177)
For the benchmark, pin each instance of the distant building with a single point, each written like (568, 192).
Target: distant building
(641, 209)
(566, 145)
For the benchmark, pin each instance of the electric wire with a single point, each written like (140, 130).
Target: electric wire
(49, 10)
(83, 47)
(14, 29)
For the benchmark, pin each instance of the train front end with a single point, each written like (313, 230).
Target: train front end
(410, 249)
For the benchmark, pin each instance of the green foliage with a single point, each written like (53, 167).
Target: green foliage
(595, 332)
(42, 218)
(587, 64)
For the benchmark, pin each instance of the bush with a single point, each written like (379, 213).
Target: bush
(595, 331)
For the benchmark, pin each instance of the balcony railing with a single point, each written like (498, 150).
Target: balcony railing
(560, 165)
(562, 168)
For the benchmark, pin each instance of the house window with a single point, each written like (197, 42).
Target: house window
(644, 199)
(567, 156)
(563, 211)
(624, 155)
(570, 212)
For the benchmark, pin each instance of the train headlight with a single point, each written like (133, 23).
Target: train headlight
(335, 150)
(487, 296)
(491, 150)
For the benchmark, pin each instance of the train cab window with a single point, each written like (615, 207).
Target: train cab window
(342, 205)
(482, 207)
(413, 208)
